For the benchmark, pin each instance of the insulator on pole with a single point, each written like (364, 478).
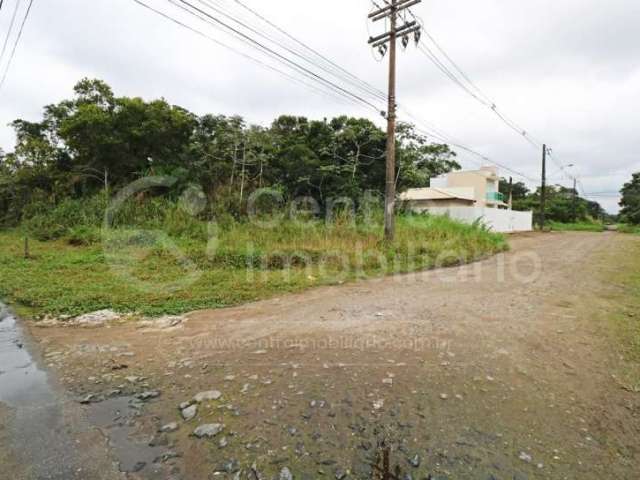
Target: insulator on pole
(405, 41)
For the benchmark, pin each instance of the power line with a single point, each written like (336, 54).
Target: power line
(6, 40)
(365, 85)
(270, 38)
(464, 81)
(478, 95)
(444, 137)
(336, 91)
(279, 56)
(475, 153)
(369, 88)
(474, 91)
(15, 45)
(428, 129)
(374, 90)
(248, 57)
(603, 194)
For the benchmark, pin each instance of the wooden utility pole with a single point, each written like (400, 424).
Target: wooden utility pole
(510, 193)
(543, 190)
(574, 205)
(390, 190)
(391, 12)
(244, 164)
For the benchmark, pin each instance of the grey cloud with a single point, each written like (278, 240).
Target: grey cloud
(567, 70)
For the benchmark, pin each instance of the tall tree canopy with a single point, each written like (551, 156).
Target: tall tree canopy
(96, 140)
(562, 204)
(517, 190)
(630, 202)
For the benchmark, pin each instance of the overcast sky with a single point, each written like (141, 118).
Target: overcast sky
(566, 70)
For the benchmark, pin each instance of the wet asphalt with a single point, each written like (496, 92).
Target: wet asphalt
(45, 433)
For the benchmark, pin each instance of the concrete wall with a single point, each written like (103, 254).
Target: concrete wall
(505, 221)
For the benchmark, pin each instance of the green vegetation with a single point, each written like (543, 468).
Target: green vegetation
(563, 205)
(577, 227)
(629, 320)
(626, 322)
(216, 212)
(626, 228)
(630, 202)
(97, 141)
(140, 271)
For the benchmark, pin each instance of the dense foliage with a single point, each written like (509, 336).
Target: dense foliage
(630, 202)
(563, 205)
(97, 141)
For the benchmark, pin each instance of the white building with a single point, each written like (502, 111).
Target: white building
(470, 196)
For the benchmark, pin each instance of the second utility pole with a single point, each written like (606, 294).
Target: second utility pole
(574, 203)
(543, 190)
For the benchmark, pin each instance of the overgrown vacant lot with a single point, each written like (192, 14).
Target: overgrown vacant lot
(150, 272)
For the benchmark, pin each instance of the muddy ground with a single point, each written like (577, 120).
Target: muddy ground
(505, 369)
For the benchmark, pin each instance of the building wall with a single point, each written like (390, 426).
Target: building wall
(505, 221)
(481, 181)
(471, 179)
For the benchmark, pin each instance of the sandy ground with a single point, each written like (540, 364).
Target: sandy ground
(504, 369)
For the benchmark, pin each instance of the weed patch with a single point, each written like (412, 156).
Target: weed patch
(577, 227)
(152, 271)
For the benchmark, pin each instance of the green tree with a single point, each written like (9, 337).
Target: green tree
(419, 160)
(630, 202)
(96, 140)
(519, 193)
(562, 205)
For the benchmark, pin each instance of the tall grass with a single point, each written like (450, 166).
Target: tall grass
(577, 227)
(77, 266)
(626, 228)
(73, 218)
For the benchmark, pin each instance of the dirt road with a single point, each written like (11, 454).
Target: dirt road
(505, 369)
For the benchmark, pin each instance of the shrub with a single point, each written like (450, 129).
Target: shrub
(83, 236)
(51, 223)
(577, 227)
(626, 228)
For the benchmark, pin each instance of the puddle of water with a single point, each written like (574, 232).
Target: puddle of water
(39, 435)
(117, 417)
(39, 430)
(22, 383)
